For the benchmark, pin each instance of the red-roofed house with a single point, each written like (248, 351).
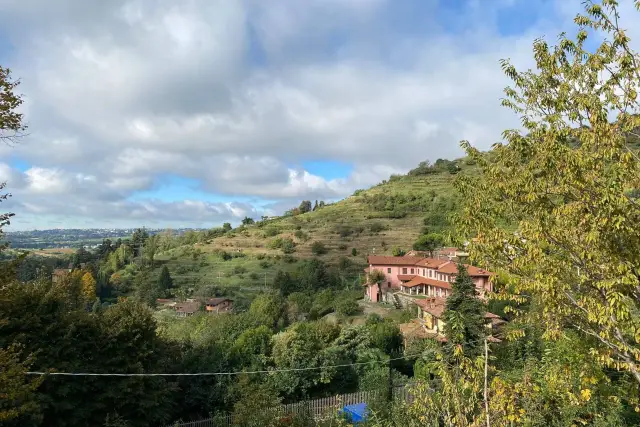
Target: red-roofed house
(414, 275)
(431, 310)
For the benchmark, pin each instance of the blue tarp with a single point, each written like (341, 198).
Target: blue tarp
(356, 412)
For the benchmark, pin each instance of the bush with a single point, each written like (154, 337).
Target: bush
(238, 269)
(275, 243)
(301, 235)
(396, 251)
(318, 248)
(289, 259)
(344, 263)
(261, 256)
(271, 231)
(265, 264)
(347, 307)
(343, 246)
(254, 276)
(354, 252)
(377, 227)
(288, 246)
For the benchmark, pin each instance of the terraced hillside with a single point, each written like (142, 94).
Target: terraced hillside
(391, 214)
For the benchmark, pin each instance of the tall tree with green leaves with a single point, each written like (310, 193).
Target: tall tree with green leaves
(428, 243)
(464, 315)
(165, 281)
(564, 183)
(151, 246)
(11, 120)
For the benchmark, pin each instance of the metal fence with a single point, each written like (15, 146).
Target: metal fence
(317, 408)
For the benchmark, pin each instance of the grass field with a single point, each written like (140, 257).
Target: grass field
(355, 222)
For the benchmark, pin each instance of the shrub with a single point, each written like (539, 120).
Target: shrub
(343, 246)
(275, 243)
(288, 246)
(301, 235)
(318, 248)
(347, 307)
(396, 251)
(239, 269)
(354, 252)
(377, 227)
(261, 256)
(265, 264)
(271, 231)
(289, 259)
(254, 276)
(344, 263)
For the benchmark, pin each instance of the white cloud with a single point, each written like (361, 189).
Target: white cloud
(121, 92)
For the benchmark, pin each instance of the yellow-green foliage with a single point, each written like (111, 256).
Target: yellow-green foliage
(565, 182)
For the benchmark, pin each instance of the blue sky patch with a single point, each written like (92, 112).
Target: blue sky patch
(328, 169)
(173, 188)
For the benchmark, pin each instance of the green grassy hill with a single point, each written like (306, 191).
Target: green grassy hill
(392, 213)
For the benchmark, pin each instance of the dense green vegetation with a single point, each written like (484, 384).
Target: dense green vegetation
(568, 284)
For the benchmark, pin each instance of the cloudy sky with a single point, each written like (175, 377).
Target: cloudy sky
(192, 113)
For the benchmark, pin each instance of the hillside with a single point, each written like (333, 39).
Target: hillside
(392, 213)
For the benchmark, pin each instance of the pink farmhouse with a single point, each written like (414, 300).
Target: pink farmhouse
(419, 276)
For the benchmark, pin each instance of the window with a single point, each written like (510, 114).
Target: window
(404, 270)
(412, 271)
(389, 270)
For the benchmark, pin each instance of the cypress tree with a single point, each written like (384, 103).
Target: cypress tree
(464, 315)
(165, 281)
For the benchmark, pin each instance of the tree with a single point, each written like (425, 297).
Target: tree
(151, 248)
(396, 251)
(145, 291)
(284, 283)
(138, 240)
(11, 120)
(226, 226)
(376, 276)
(88, 287)
(315, 206)
(464, 315)
(318, 248)
(305, 206)
(576, 250)
(247, 221)
(165, 281)
(18, 402)
(428, 242)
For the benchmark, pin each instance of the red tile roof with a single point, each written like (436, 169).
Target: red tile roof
(393, 260)
(432, 262)
(441, 265)
(187, 307)
(452, 268)
(216, 301)
(406, 277)
(432, 305)
(419, 280)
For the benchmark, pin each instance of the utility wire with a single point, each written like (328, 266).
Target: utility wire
(195, 374)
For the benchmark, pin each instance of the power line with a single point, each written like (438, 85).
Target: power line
(85, 374)
(88, 374)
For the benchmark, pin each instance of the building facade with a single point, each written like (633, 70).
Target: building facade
(420, 276)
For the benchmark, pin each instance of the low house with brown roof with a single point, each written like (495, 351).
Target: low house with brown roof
(188, 308)
(431, 311)
(218, 305)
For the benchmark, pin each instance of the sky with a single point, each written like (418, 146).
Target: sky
(189, 114)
